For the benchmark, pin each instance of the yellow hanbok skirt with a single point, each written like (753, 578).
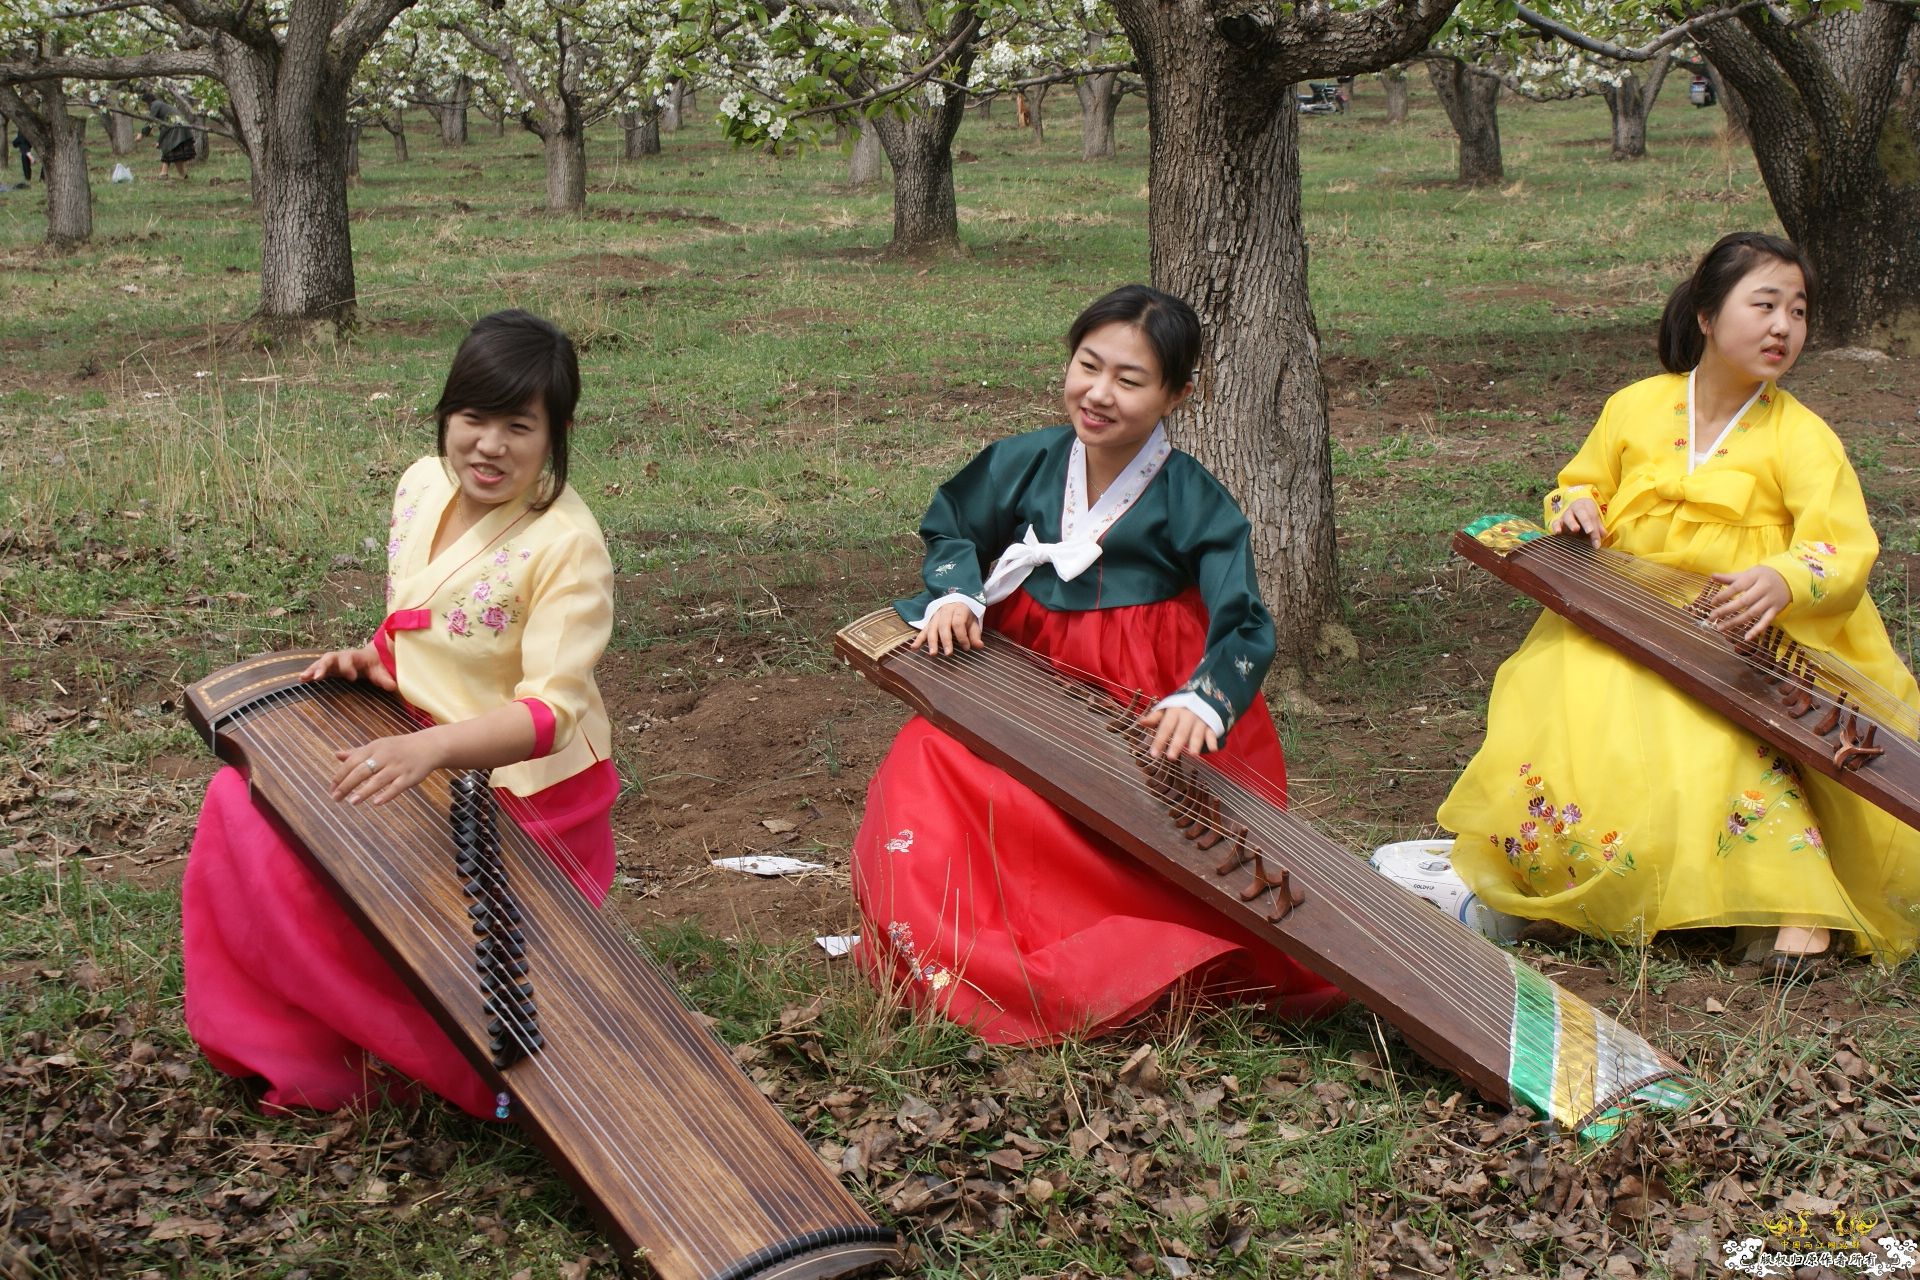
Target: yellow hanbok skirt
(1607, 800)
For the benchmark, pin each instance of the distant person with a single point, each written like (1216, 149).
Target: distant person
(1606, 799)
(1106, 550)
(25, 149)
(502, 599)
(176, 141)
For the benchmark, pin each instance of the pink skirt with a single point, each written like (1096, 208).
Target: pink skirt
(281, 984)
(984, 902)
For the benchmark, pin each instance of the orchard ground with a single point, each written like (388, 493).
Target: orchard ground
(770, 398)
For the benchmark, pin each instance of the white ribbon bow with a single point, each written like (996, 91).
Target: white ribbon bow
(1069, 560)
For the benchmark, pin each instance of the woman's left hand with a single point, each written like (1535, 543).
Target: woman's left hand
(1177, 731)
(385, 767)
(1752, 599)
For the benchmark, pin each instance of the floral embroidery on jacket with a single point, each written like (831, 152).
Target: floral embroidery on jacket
(490, 602)
(931, 972)
(1815, 556)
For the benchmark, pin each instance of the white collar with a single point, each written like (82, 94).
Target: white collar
(1694, 456)
(1077, 523)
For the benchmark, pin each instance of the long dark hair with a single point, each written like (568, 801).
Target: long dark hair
(1680, 342)
(1170, 326)
(506, 360)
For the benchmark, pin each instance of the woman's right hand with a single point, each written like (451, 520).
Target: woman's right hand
(352, 664)
(1581, 516)
(950, 625)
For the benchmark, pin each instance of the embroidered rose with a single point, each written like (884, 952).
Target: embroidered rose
(457, 622)
(393, 548)
(495, 617)
(500, 557)
(482, 589)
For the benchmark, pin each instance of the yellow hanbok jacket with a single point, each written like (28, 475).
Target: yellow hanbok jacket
(1606, 799)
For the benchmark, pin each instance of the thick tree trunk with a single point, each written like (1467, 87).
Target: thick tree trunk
(863, 168)
(452, 113)
(1731, 105)
(670, 106)
(1394, 81)
(1099, 98)
(920, 149)
(297, 137)
(566, 153)
(1838, 145)
(1225, 233)
(1472, 104)
(1629, 101)
(1036, 103)
(39, 108)
(641, 130)
(122, 137)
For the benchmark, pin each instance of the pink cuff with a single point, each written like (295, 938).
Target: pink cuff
(542, 726)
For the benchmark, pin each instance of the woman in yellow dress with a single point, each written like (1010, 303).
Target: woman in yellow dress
(1607, 800)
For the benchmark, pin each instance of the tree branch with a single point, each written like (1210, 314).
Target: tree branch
(168, 62)
(362, 26)
(920, 75)
(1646, 52)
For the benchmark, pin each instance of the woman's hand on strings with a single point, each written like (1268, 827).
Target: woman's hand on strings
(1752, 599)
(385, 767)
(352, 664)
(1581, 516)
(950, 626)
(1177, 732)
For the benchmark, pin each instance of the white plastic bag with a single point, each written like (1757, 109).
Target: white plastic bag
(121, 174)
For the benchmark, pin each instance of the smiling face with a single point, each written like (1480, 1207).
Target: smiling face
(497, 457)
(1759, 330)
(1114, 391)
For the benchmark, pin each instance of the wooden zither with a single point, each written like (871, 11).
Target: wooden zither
(1211, 830)
(689, 1169)
(1810, 706)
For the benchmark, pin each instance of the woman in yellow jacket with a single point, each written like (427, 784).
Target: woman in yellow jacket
(1607, 800)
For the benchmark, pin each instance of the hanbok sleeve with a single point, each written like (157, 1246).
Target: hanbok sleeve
(1218, 543)
(1593, 473)
(569, 621)
(1834, 545)
(968, 524)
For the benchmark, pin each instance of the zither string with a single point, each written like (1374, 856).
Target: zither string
(1007, 681)
(1637, 587)
(647, 990)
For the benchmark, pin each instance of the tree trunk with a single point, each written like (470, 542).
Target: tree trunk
(863, 170)
(122, 137)
(1839, 149)
(1036, 101)
(398, 128)
(670, 107)
(1099, 98)
(39, 108)
(1394, 81)
(1731, 105)
(297, 137)
(642, 133)
(1629, 100)
(453, 113)
(1472, 103)
(566, 152)
(354, 129)
(920, 149)
(1224, 230)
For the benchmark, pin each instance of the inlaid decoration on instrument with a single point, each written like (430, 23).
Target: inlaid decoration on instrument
(693, 1174)
(1809, 705)
(1219, 834)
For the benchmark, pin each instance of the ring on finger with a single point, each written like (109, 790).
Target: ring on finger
(371, 766)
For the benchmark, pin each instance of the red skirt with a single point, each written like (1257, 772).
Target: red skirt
(986, 903)
(280, 983)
